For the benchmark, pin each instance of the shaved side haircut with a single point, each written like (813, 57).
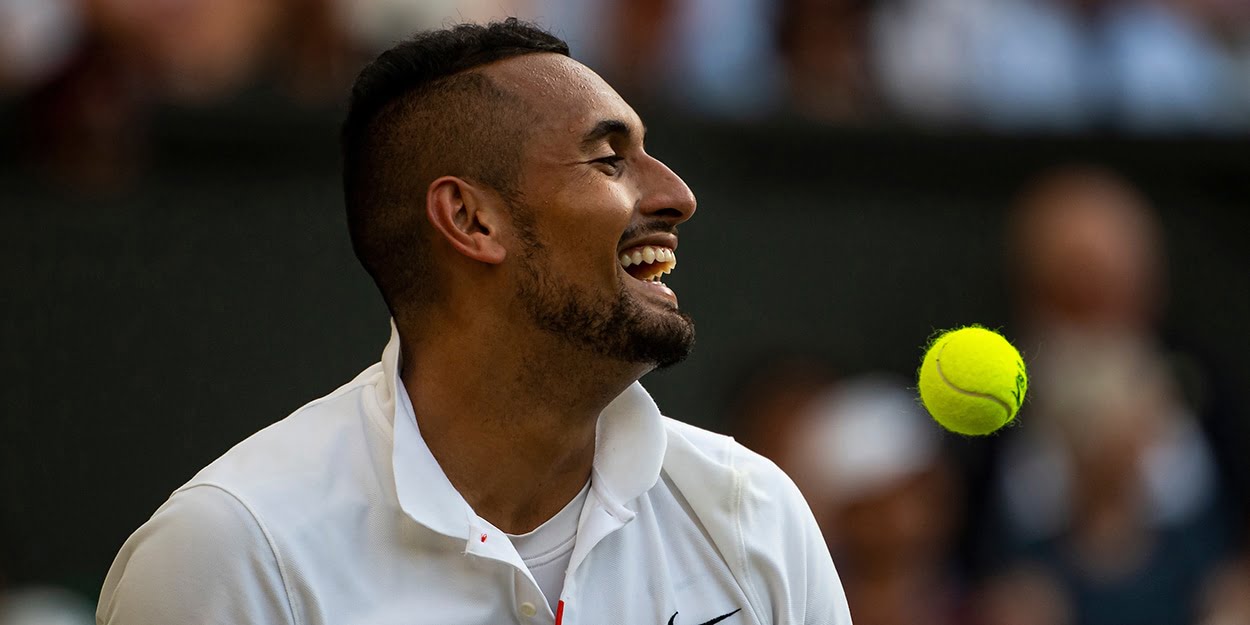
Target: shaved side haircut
(418, 112)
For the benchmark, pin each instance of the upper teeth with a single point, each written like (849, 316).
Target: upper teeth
(649, 254)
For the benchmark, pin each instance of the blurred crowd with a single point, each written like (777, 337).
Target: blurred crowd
(86, 73)
(1116, 498)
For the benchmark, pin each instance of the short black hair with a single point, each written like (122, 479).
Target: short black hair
(419, 112)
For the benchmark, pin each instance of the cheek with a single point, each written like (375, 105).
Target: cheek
(590, 231)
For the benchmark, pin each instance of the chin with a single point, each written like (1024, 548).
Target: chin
(625, 326)
(666, 339)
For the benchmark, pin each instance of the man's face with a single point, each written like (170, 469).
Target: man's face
(596, 218)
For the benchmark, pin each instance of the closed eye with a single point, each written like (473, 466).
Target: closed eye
(612, 163)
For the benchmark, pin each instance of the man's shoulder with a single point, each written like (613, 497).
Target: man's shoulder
(690, 446)
(729, 486)
(304, 453)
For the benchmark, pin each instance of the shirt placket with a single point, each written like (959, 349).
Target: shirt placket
(529, 606)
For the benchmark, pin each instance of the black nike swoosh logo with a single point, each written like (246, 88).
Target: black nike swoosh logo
(711, 622)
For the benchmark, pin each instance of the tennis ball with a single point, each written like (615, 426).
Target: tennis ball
(972, 381)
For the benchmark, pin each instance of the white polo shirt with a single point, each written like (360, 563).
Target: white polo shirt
(340, 515)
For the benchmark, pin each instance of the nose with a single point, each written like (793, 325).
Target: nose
(665, 194)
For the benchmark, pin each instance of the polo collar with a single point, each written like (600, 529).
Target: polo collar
(630, 442)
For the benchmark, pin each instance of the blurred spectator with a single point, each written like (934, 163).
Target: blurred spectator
(1226, 601)
(188, 49)
(90, 71)
(871, 465)
(94, 69)
(1088, 256)
(1111, 489)
(1140, 65)
(1024, 595)
(824, 45)
(1089, 273)
(1064, 65)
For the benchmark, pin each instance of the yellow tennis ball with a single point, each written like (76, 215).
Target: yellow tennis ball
(972, 381)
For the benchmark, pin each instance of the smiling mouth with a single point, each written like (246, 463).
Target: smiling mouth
(648, 262)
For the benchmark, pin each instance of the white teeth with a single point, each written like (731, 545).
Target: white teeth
(650, 254)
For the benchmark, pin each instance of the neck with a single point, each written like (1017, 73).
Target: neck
(509, 414)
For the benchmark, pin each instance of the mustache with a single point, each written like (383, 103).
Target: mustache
(657, 226)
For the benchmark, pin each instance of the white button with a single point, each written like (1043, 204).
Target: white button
(528, 609)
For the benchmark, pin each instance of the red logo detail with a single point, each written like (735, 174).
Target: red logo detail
(483, 537)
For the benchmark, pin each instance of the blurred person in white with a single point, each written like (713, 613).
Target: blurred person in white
(871, 464)
(1059, 65)
(37, 38)
(25, 600)
(1109, 488)
(767, 400)
(44, 605)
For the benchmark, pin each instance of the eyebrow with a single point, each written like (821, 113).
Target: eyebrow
(606, 128)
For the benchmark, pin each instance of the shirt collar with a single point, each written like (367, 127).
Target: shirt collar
(629, 452)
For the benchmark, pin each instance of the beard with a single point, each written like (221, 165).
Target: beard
(620, 326)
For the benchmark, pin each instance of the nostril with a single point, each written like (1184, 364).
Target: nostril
(669, 212)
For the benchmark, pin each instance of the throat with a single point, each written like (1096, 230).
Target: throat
(516, 470)
(519, 506)
(510, 417)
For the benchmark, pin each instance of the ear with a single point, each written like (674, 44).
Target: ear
(467, 217)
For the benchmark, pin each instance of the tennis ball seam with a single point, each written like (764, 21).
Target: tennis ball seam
(937, 362)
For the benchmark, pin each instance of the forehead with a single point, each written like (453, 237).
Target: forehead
(565, 97)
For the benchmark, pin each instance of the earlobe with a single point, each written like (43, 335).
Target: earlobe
(467, 218)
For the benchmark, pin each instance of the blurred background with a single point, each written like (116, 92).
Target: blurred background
(175, 272)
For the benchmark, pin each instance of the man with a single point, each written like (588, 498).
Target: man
(501, 464)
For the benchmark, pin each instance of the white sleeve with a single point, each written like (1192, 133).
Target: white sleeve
(788, 561)
(203, 558)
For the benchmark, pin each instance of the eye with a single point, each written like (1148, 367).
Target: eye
(611, 163)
